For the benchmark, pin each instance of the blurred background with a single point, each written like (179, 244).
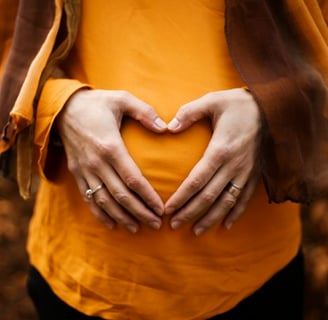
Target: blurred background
(15, 214)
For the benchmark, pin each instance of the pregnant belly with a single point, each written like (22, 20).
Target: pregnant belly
(166, 159)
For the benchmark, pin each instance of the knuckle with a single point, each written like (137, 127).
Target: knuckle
(101, 201)
(195, 184)
(224, 152)
(133, 182)
(209, 197)
(121, 197)
(148, 112)
(229, 202)
(212, 96)
(239, 164)
(93, 163)
(72, 166)
(187, 114)
(184, 110)
(89, 160)
(123, 96)
(107, 150)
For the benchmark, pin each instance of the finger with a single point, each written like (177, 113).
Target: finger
(115, 190)
(105, 209)
(225, 205)
(127, 200)
(199, 176)
(191, 113)
(196, 180)
(217, 212)
(101, 215)
(201, 202)
(142, 112)
(242, 204)
(118, 157)
(107, 204)
(95, 210)
(217, 156)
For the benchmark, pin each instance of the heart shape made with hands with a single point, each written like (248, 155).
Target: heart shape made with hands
(166, 159)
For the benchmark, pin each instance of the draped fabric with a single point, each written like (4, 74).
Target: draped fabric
(43, 35)
(291, 94)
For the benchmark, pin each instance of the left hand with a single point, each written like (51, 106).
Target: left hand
(231, 157)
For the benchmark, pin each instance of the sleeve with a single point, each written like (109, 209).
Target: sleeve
(54, 96)
(43, 34)
(286, 73)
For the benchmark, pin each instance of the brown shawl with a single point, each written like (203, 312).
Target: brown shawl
(270, 57)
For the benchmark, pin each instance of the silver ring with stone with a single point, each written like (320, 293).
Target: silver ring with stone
(90, 192)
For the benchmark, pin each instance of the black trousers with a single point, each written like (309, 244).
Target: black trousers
(280, 298)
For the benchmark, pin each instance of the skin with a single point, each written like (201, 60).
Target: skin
(96, 154)
(231, 156)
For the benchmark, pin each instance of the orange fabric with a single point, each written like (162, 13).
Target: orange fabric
(166, 53)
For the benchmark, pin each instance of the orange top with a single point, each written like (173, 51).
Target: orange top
(166, 53)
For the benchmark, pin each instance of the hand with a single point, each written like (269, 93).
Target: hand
(89, 126)
(231, 157)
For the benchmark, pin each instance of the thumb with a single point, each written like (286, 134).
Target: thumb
(187, 115)
(145, 114)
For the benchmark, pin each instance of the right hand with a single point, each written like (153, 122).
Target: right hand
(89, 126)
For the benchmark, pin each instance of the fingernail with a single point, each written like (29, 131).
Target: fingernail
(160, 123)
(155, 225)
(159, 211)
(228, 225)
(174, 124)
(132, 228)
(175, 224)
(199, 231)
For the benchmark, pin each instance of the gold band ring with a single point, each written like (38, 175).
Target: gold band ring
(234, 190)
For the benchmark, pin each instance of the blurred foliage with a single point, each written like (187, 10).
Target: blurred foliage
(315, 244)
(14, 217)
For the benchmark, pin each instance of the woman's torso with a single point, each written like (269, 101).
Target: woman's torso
(167, 53)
